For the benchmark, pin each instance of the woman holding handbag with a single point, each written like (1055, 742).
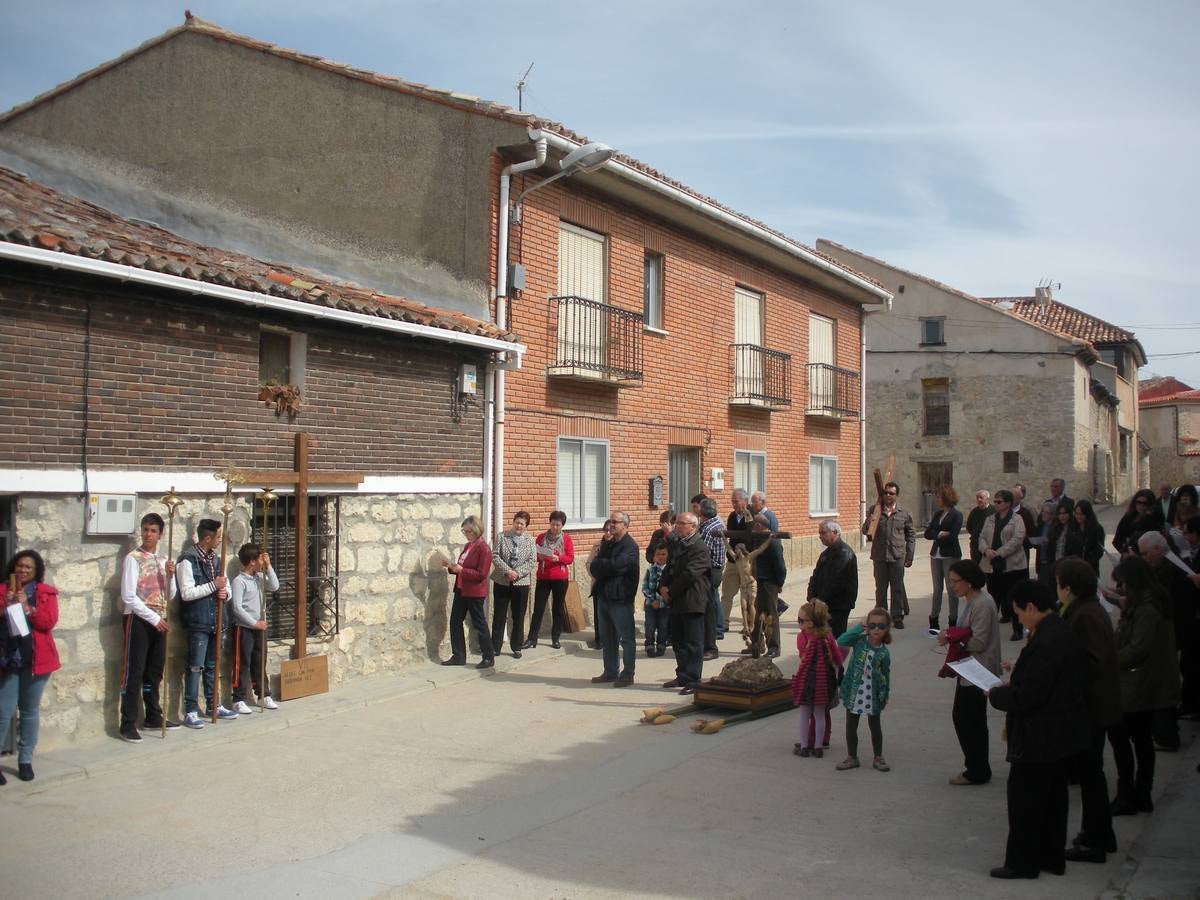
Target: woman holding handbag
(555, 553)
(975, 633)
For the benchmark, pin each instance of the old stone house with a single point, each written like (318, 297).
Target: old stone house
(985, 393)
(669, 336)
(1170, 427)
(131, 362)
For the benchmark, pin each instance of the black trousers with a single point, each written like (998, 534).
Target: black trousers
(1000, 586)
(710, 611)
(1087, 768)
(145, 657)
(459, 609)
(1037, 817)
(838, 620)
(687, 641)
(504, 597)
(1133, 736)
(970, 724)
(558, 612)
(249, 644)
(852, 734)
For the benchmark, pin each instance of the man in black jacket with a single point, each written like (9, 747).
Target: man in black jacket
(685, 586)
(615, 570)
(835, 576)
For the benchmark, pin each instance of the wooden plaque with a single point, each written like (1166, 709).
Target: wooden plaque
(303, 677)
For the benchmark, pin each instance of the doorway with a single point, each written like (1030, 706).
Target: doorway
(683, 477)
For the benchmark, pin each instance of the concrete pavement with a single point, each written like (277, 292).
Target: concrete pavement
(531, 782)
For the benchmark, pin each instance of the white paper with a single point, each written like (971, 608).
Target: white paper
(971, 669)
(17, 626)
(1179, 563)
(543, 551)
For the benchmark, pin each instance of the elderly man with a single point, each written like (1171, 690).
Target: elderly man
(892, 550)
(758, 506)
(975, 519)
(1153, 548)
(615, 569)
(740, 519)
(1058, 494)
(1165, 500)
(834, 578)
(713, 535)
(686, 588)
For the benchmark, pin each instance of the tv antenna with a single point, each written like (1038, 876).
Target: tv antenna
(521, 89)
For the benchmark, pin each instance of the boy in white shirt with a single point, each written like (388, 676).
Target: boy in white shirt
(250, 636)
(147, 583)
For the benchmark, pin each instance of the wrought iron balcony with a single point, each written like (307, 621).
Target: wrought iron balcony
(761, 377)
(832, 392)
(596, 342)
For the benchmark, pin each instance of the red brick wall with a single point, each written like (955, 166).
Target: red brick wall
(174, 383)
(688, 373)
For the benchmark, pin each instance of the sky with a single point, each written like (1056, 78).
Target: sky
(992, 147)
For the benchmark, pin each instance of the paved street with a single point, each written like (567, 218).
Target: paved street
(531, 782)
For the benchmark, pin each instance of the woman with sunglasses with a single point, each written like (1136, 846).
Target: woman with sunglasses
(1142, 515)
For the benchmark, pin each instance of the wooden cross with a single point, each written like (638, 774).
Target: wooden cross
(877, 511)
(300, 477)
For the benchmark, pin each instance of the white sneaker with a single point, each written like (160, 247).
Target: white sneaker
(241, 708)
(193, 720)
(268, 703)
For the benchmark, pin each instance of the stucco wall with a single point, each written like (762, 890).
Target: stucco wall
(1171, 431)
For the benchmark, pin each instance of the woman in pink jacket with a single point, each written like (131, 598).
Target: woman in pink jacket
(471, 574)
(26, 661)
(555, 553)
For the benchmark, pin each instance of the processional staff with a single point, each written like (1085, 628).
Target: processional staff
(172, 502)
(266, 497)
(230, 476)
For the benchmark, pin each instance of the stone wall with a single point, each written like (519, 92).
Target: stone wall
(394, 596)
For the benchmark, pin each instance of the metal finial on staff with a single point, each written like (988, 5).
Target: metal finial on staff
(230, 476)
(266, 496)
(172, 502)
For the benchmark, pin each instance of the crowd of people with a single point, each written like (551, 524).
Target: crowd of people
(1077, 684)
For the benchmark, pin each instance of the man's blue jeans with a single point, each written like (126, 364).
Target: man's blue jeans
(616, 627)
(22, 690)
(202, 658)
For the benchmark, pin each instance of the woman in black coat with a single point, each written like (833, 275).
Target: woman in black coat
(1142, 515)
(1047, 724)
(1090, 536)
(943, 530)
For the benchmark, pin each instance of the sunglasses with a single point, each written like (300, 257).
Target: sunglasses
(877, 626)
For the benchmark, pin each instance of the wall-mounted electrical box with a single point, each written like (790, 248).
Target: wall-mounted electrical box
(111, 513)
(466, 380)
(718, 479)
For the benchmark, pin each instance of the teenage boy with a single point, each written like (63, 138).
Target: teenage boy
(146, 580)
(249, 640)
(201, 587)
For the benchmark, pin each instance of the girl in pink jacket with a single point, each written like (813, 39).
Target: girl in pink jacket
(814, 686)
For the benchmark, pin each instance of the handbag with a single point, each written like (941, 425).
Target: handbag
(573, 604)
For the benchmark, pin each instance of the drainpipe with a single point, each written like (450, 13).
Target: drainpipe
(497, 451)
(886, 306)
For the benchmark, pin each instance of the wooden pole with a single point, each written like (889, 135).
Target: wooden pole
(231, 477)
(267, 496)
(171, 501)
(300, 649)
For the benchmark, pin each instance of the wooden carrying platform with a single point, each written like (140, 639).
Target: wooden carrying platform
(767, 699)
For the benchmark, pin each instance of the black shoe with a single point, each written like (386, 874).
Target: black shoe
(1085, 854)
(1006, 872)
(130, 735)
(818, 752)
(660, 650)
(593, 645)
(711, 654)
(1144, 803)
(486, 663)
(25, 771)
(1123, 806)
(603, 678)
(516, 654)
(157, 726)
(688, 689)
(3, 780)
(772, 654)
(623, 681)
(555, 644)
(455, 661)
(529, 645)
(673, 683)
(1108, 846)
(497, 649)
(899, 622)
(1056, 869)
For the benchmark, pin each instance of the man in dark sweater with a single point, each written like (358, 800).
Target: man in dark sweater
(615, 570)
(835, 576)
(685, 586)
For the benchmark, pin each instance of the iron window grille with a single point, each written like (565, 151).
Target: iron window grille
(596, 340)
(761, 377)
(833, 391)
(323, 597)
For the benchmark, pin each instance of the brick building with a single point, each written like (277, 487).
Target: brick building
(131, 361)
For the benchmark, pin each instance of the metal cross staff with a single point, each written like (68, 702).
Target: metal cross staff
(230, 476)
(171, 501)
(266, 497)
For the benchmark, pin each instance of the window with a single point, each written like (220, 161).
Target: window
(748, 330)
(1125, 450)
(582, 328)
(322, 577)
(1118, 358)
(933, 330)
(281, 357)
(935, 396)
(822, 485)
(750, 470)
(820, 353)
(8, 527)
(583, 480)
(652, 290)
(1012, 461)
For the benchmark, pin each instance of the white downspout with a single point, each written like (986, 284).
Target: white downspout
(862, 386)
(489, 437)
(497, 487)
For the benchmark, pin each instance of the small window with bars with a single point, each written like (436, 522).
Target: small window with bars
(933, 330)
(935, 398)
(1012, 461)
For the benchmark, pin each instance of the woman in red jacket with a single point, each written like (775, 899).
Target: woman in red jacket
(471, 574)
(555, 553)
(26, 661)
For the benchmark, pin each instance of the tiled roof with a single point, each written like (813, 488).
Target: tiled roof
(438, 95)
(1162, 386)
(1066, 319)
(38, 216)
(1167, 399)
